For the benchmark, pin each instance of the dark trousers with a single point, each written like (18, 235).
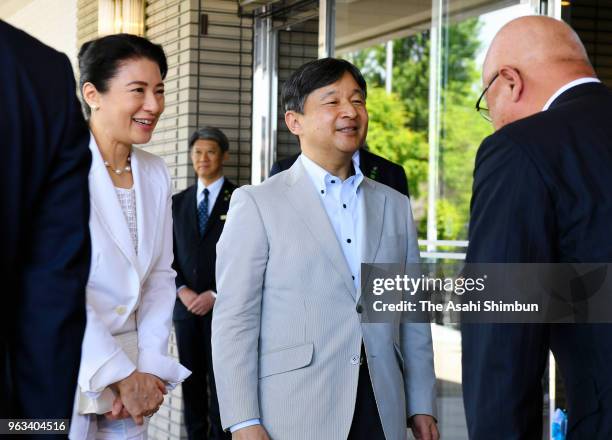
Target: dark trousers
(200, 403)
(366, 421)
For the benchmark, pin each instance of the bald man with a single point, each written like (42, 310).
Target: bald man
(542, 193)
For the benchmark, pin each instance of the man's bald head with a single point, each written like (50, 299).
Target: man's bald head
(539, 55)
(536, 40)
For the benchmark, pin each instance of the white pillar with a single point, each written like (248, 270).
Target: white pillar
(389, 67)
(265, 97)
(327, 28)
(435, 85)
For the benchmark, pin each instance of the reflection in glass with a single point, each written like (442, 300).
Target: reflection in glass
(400, 78)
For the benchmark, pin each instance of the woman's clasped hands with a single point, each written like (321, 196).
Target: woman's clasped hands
(139, 395)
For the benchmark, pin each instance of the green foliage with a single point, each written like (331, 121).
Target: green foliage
(449, 219)
(389, 137)
(463, 130)
(411, 67)
(399, 122)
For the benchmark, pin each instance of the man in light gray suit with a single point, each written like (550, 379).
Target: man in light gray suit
(292, 359)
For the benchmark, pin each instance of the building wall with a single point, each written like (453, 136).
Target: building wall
(44, 19)
(87, 21)
(208, 81)
(296, 46)
(222, 81)
(592, 20)
(174, 24)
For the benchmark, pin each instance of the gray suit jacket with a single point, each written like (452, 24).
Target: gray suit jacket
(285, 328)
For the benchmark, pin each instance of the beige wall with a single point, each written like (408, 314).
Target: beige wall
(173, 24)
(51, 21)
(222, 80)
(87, 21)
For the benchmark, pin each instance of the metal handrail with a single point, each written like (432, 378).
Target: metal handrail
(432, 251)
(455, 243)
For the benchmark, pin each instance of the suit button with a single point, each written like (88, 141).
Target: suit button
(359, 308)
(120, 310)
(355, 359)
(195, 272)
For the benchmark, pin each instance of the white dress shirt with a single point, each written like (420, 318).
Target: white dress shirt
(213, 192)
(566, 87)
(343, 204)
(357, 159)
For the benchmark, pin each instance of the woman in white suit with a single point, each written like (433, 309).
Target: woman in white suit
(125, 368)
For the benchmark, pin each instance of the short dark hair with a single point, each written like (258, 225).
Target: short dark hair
(210, 134)
(99, 59)
(312, 76)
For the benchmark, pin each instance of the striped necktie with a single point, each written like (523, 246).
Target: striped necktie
(203, 212)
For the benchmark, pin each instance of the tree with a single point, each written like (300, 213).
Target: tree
(411, 67)
(462, 129)
(462, 132)
(389, 137)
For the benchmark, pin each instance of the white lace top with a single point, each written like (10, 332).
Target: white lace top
(127, 200)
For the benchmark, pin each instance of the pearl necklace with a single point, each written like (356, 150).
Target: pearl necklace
(119, 171)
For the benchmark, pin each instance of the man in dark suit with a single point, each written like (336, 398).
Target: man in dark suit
(199, 215)
(44, 214)
(542, 194)
(373, 166)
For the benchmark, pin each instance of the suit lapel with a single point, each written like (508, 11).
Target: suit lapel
(369, 165)
(365, 162)
(303, 198)
(148, 208)
(372, 212)
(106, 205)
(373, 209)
(189, 211)
(221, 205)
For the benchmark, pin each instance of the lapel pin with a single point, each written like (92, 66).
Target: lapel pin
(374, 173)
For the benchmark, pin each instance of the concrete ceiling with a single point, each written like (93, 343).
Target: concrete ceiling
(362, 23)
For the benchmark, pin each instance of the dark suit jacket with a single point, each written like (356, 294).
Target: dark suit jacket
(195, 256)
(44, 214)
(372, 166)
(542, 193)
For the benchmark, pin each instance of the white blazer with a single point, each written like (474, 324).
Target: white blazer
(122, 281)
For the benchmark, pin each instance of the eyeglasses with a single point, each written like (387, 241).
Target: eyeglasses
(484, 112)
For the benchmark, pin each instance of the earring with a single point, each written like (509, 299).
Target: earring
(94, 108)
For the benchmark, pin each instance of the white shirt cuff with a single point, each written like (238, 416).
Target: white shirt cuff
(117, 367)
(179, 289)
(244, 424)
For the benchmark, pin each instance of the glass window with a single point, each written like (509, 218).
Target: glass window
(422, 62)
